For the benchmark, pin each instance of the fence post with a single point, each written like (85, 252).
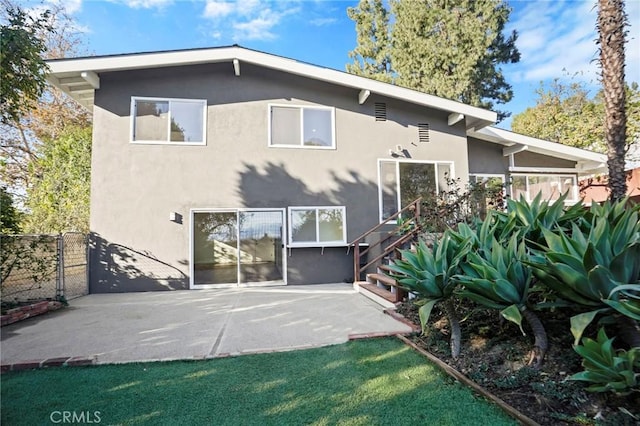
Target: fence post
(87, 253)
(60, 268)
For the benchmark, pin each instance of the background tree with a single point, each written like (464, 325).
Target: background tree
(9, 216)
(611, 38)
(25, 141)
(566, 113)
(22, 67)
(448, 48)
(58, 200)
(371, 57)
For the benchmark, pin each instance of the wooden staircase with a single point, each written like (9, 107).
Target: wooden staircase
(378, 286)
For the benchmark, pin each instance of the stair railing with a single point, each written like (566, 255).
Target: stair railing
(413, 222)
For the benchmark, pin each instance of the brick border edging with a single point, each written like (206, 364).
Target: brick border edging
(49, 362)
(28, 311)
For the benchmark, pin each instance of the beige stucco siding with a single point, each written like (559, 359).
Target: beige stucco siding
(136, 186)
(533, 159)
(486, 157)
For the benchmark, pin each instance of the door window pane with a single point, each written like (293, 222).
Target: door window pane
(389, 188)
(444, 175)
(260, 246)
(215, 248)
(416, 180)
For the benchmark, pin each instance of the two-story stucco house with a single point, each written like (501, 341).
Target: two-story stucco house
(227, 166)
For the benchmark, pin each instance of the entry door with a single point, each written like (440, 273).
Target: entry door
(237, 248)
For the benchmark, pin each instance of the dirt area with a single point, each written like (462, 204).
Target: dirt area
(495, 355)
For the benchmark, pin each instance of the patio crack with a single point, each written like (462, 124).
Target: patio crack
(216, 344)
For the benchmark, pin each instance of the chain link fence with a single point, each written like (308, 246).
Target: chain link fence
(43, 267)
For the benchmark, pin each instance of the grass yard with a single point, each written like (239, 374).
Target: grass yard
(367, 382)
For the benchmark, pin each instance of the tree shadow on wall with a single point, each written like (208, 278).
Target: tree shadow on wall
(115, 268)
(272, 186)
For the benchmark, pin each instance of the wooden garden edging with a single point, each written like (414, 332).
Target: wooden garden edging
(465, 380)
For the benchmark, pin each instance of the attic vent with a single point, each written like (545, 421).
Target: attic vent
(423, 132)
(381, 111)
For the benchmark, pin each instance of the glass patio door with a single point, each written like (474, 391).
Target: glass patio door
(237, 247)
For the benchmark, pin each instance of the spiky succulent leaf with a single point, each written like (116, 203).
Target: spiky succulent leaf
(581, 321)
(605, 368)
(425, 312)
(512, 313)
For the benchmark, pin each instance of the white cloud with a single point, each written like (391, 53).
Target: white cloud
(319, 22)
(147, 4)
(558, 38)
(256, 29)
(247, 19)
(218, 9)
(248, 7)
(70, 6)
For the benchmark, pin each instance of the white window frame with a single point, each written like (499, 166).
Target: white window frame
(452, 175)
(486, 176)
(502, 177)
(302, 108)
(316, 243)
(573, 196)
(133, 140)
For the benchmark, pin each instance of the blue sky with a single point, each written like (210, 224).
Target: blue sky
(556, 38)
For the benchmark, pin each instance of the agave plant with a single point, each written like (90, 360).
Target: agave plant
(530, 218)
(429, 272)
(498, 279)
(607, 369)
(599, 271)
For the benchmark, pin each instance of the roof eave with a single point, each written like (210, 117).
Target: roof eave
(587, 161)
(475, 118)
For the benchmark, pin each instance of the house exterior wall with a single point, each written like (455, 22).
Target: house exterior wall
(533, 159)
(486, 158)
(135, 187)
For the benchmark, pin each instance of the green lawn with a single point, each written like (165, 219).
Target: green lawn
(368, 382)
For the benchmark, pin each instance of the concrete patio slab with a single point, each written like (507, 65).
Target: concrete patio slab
(195, 324)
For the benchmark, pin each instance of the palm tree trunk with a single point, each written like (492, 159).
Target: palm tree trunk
(611, 30)
(541, 344)
(454, 323)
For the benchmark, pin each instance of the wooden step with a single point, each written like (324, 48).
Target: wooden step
(385, 268)
(383, 279)
(378, 294)
(398, 293)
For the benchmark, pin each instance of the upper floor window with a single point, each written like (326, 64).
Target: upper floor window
(302, 127)
(550, 186)
(168, 121)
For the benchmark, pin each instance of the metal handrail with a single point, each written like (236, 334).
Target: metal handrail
(357, 254)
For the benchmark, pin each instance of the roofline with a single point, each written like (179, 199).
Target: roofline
(588, 159)
(476, 118)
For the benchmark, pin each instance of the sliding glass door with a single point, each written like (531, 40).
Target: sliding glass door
(237, 247)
